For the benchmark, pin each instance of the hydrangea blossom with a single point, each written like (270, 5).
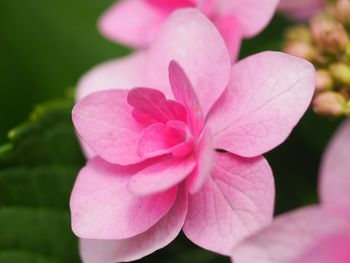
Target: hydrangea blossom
(176, 136)
(136, 22)
(315, 234)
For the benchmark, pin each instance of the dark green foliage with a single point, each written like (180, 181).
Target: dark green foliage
(38, 167)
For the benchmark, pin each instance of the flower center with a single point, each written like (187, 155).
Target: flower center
(165, 121)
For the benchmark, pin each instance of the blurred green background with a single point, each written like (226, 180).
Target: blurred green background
(45, 46)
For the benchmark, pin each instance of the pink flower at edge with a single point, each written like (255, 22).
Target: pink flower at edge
(154, 164)
(136, 22)
(314, 234)
(300, 9)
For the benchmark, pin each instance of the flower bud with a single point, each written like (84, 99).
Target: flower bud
(300, 49)
(347, 109)
(300, 33)
(342, 11)
(345, 90)
(329, 103)
(340, 73)
(329, 35)
(347, 54)
(324, 80)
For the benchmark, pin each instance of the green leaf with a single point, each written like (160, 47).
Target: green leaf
(46, 138)
(43, 231)
(15, 256)
(40, 186)
(38, 167)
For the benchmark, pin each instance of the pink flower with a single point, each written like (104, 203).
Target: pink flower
(187, 152)
(315, 234)
(136, 22)
(301, 9)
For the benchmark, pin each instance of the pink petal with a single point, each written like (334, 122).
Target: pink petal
(190, 39)
(267, 95)
(121, 73)
(334, 248)
(160, 138)
(207, 7)
(301, 9)
(335, 170)
(152, 102)
(289, 236)
(184, 93)
(253, 15)
(231, 31)
(87, 151)
(124, 73)
(205, 162)
(162, 175)
(104, 121)
(103, 208)
(170, 5)
(132, 22)
(158, 236)
(234, 203)
(187, 146)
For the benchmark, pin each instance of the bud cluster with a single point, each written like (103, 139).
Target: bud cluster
(325, 42)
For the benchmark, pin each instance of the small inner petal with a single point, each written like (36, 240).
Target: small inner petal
(151, 106)
(186, 146)
(160, 138)
(184, 93)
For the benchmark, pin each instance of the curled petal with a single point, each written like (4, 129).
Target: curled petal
(160, 138)
(184, 93)
(236, 201)
(152, 103)
(103, 208)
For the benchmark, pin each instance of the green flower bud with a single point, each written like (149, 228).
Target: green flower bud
(340, 73)
(300, 33)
